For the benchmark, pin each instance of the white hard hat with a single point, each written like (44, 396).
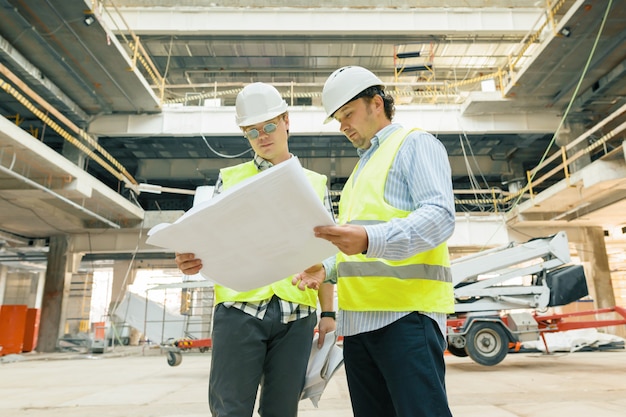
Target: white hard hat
(343, 85)
(257, 103)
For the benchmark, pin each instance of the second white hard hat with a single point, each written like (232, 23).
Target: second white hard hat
(257, 103)
(343, 85)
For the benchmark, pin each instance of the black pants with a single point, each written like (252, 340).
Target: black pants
(248, 352)
(398, 371)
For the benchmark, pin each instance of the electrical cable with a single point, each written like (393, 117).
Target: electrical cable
(468, 168)
(470, 172)
(221, 155)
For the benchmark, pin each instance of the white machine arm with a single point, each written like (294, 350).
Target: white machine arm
(479, 279)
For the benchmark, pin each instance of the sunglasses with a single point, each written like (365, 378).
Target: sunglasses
(253, 134)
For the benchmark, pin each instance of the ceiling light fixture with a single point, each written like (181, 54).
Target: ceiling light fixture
(89, 19)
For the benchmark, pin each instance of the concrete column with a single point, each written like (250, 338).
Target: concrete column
(569, 132)
(41, 282)
(592, 253)
(3, 282)
(56, 290)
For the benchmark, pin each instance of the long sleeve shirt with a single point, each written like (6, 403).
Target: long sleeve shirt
(419, 181)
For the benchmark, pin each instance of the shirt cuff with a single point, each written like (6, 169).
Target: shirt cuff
(376, 240)
(331, 270)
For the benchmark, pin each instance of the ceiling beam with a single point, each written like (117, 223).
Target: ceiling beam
(324, 21)
(220, 121)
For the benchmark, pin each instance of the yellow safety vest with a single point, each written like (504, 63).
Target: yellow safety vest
(422, 282)
(282, 288)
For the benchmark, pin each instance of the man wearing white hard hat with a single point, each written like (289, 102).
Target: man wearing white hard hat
(394, 285)
(262, 337)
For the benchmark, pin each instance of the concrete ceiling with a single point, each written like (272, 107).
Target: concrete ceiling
(79, 91)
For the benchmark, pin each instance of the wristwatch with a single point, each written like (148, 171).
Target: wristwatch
(330, 314)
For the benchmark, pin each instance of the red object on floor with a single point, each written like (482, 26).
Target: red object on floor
(31, 330)
(12, 326)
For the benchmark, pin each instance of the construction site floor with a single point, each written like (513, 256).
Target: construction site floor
(137, 381)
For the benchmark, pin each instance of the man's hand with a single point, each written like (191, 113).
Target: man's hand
(312, 277)
(326, 296)
(188, 263)
(327, 325)
(350, 239)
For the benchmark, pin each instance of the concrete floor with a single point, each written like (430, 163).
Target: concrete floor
(134, 381)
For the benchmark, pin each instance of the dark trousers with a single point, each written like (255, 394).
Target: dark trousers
(248, 352)
(398, 371)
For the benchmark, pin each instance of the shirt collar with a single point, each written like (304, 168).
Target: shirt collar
(262, 164)
(380, 137)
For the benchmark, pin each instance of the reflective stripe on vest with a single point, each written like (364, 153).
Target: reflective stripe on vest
(382, 269)
(422, 282)
(282, 288)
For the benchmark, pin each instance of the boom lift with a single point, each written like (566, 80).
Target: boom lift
(498, 293)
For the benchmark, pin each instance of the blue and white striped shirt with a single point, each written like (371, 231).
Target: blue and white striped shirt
(419, 181)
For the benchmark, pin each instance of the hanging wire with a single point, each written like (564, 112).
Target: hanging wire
(468, 166)
(221, 155)
(169, 58)
(473, 182)
(470, 157)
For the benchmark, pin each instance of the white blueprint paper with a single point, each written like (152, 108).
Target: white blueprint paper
(323, 363)
(255, 233)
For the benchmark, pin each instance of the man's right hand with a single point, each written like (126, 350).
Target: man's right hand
(188, 263)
